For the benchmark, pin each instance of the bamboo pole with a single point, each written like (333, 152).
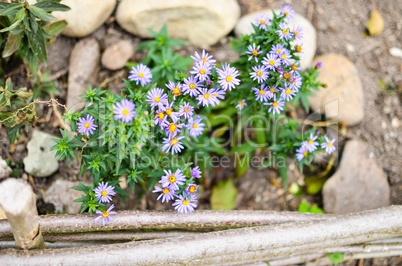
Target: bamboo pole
(18, 202)
(233, 245)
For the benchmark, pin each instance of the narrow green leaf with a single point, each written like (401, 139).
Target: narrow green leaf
(56, 27)
(11, 9)
(12, 44)
(50, 6)
(41, 14)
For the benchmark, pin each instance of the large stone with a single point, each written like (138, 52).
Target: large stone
(359, 184)
(85, 16)
(83, 70)
(309, 39)
(62, 196)
(117, 55)
(201, 22)
(5, 170)
(40, 161)
(343, 98)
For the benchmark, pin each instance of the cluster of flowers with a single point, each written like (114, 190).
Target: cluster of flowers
(276, 62)
(174, 186)
(104, 193)
(174, 111)
(310, 145)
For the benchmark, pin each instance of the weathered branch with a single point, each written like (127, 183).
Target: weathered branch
(18, 202)
(234, 245)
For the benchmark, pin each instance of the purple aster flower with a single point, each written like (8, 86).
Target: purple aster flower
(173, 180)
(285, 75)
(287, 92)
(168, 109)
(196, 128)
(166, 194)
(124, 111)
(284, 32)
(191, 86)
(287, 11)
(278, 49)
(201, 71)
(262, 21)
(260, 74)
(241, 104)
(86, 125)
(172, 128)
(175, 89)
(271, 92)
(209, 82)
(271, 61)
(319, 65)
(285, 57)
(219, 94)
(328, 145)
(160, 118)
(196, 172)
(298, 33)
(184, 205)
(186, 110)
(156, 97)
(141, 74)
(105, 215)
(191, 190)
(296, 81)
(207, 98)
(310, 144)
(227, 77)
(301, 153)
(172, 143)
(298, 48)
(261, 94)
(276, 105)
(204, 58)
(253, 52)
(103, 191)
(295, 68)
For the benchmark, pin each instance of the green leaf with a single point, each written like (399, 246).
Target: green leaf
(18, 19)
(243, 148)
(223, 196)
(12, 44)
(41, 14)
(336, 257)
(304, 207)
(11, 9)
(316, 209)
(50, 6)
(56, 27)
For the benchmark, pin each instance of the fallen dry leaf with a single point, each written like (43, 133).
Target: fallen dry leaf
(375, 25)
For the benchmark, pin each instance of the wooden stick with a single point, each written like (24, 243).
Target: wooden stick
(18, 202)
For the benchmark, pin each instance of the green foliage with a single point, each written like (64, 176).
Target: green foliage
(223, 196)
(336, 257)
(305, 207)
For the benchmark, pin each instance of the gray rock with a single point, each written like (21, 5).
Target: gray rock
(359, 184)
(58, 53)
(5, 170)
(40, 161)
(62, 197)
(343, 98)
(117, 55)
(200, 22)
(83, 70)
(309, 39)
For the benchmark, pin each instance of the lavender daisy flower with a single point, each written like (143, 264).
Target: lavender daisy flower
(191, 190)
(328, 145)
(86, 125)
(310, 144)
(287, 11)
(285, 57)
(219, 94)
(260, 74)
(284, 32)
(168, 109)
(319, 65)
(166, 194)
(241, 104)
(278, 49)
(186, 110)
(196, 128)
(105, 215)
(276, 105)
(271, 92)
(160, 118)
(204, 58)
(103, 191)
(285, 75)
(298, 48)
(295, 68)
(201, 71)
(227, 77)
(298, 33)
(183, 205)
(156, 97)
(124, 111)
(262, 21)
(207, 98)
(142, 74)
(173, 180)
(287, 93)
(296, 81)
(301, 153)
(175, 89)
(172, 143)
(172, 129)
(196, 172)
(271, 61)
(253, 52)
(191, 86)
(261, 94)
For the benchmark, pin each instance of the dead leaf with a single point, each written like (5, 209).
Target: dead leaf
(375, 25)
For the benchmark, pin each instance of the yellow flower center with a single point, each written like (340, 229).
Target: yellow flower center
(329, 144)
(294, 67)
(176, 91)
(204, 60)
(192, 189)
(278, 51)
(296, 32)
(195, 125)
(186, 110)
(172, 179)
(305, 153)
(255, 52)
(283, 57)
(286, 13)
(202, 71)
(262, 92)
(271, 62)
(288, 91)
(125, 112)
(86, 125)
(206, 96)
(104, 193)
(185, 202)
(157, 99)
(259, 73)
(140, 74)
(286, 75)
(172, 127)
(272, 90)
(169, 111)
(192, 86)
(310, 141)
(284, 31)
(160, 115)
(298, 48)
(262, 21)
(174, 141)
(105, 214)
(275, 104)
(228, 78)
(165, 191)
(241, 103)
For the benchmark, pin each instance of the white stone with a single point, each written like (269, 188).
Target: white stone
(394, 51)
(62, 196)
(117, 55)
(5, 170)
(309, 40)
(201, 22)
